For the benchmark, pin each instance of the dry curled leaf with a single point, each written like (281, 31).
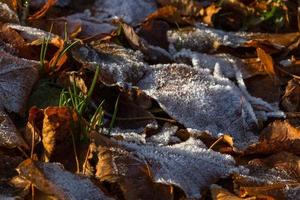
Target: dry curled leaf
(17, 79)
(277, 136)
(52, 179)
(58, 130)
(291, 98)
(267, 62)
(219, 193)
(42, 12)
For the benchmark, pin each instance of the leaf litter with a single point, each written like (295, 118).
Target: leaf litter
(142, 132)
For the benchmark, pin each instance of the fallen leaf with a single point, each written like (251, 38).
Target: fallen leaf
(277, 136)
(58, 127)
(7, 14)
(219, 193)
(209, 13)
(42, 12)
(175, 165)
(270, 178)
(52, 179)
(18, 76)
(9, 135)
(267, 62)
(186, 7)
(291, 98)
(116, 165)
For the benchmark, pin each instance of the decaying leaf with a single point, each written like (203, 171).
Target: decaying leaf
(291, 98)
(186, 7)
(8, 15)
(277, 136)
(276, 177)
(219, 193)
(52, 179)
(43, 10)
(188, 165)
(17, 78)
(267, 62)
(58, 126)
(9, 135)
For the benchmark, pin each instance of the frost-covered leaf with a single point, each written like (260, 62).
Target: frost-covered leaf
(17, 77)
(9, 135)
(203, 39)
(131, 11)
(118, 64)
(188, 165)
(52, 179)
(8, 15)
(201, 101)
(228, 64)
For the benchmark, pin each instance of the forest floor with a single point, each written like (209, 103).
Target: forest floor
(149, 99)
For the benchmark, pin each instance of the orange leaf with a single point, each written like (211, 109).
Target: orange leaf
(43, 10)
(267, 61)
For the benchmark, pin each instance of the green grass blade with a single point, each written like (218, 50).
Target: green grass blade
(114, 116)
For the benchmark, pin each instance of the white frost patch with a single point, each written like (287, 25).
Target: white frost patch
(165, 136)
(131, 11)
(7, 15)
(189, 165)
(201, 101)
(203, 38)
(73, 186)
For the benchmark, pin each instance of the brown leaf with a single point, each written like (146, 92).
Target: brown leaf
(291, 98)
(9, 135)
(188, 165)
(186, 7)
(277, 136)
(7, 14)
(52, 179)
(170, 14)
(18, 76)
(58, 126)
(219, 193)
(42, 12)
(275, 177)
(34, 126)
(210, 11)
(267, 62)
(117, 165)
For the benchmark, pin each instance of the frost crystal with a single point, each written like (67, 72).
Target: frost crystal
(201, 101)
(189, 165)
(203, 38)
(131, 11)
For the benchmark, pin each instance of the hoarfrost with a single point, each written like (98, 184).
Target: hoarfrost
(131, 11)
(201, 101)
(188, 165)
(7, 15)
(203, 39)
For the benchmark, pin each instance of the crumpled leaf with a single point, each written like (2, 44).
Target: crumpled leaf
(58, 126)
(17, 78)
(277, 136)
(186, 7)
(8, 15)
(9, 135)
(273, 177)
(219, 193)
(52, 179)
(291, 98)
(188, 165)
